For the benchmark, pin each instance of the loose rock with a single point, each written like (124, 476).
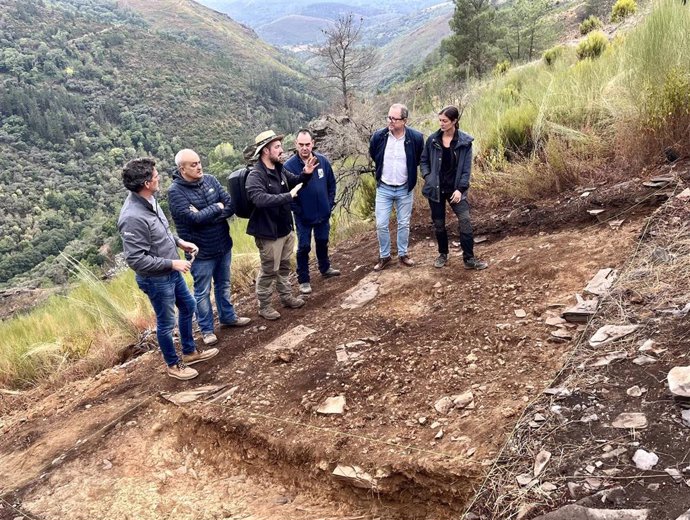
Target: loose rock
(630, 420)
(540, 462)
(679, 381)
(635, 391)
(332, 405)
(444, 405)
(644, 360)
(645, 460)
(610, 333)
(355, 476)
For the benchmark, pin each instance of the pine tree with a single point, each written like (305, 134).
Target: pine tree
(476, 30)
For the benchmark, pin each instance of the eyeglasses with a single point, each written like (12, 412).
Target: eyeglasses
(391, 118)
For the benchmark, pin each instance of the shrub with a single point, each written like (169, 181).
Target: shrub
(365, 198)
(551, 55)
(622, 9)
(589, 24)
(669, 102)
(501, 68)
(592, 46)
(513, 136)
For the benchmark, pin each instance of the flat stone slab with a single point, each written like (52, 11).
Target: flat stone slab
(582, 312)
(355, 476)
(610, 333)
(290, 339)
(575, 512)
(601, 283)
(365, 291)
(189, 396)
(630, 420)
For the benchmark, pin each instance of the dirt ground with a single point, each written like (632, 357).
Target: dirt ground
(114, 446)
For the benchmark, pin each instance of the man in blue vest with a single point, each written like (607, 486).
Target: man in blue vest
(312, 209)
(396, 151)
(200, 207)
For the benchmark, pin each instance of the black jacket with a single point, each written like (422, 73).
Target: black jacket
(431, 163)
(414, 143)
(270, 194)
(208, 227)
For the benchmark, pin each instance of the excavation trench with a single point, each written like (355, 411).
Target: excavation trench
(434, 372)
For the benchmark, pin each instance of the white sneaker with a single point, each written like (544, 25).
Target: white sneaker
(210, 339)
(305, 288)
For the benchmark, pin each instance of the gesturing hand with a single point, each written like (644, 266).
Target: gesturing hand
(311, 165)
(295, 190)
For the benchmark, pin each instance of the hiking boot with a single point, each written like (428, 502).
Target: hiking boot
(331, 272)
(241, 321)
(199, 355)
(269, 313)
(181, 371)
(292, 302)
(305, 288)
(209, 338)
(441, 260)
(383, 262)
(406, 260)
(473, 263)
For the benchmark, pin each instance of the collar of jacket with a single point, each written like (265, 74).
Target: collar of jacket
(138, 199)
(177, 177)
(460, 138)
(278, 169)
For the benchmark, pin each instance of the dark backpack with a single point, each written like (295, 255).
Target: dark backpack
(238, 193)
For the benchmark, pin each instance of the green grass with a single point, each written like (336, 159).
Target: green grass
(89, 326)
(93, 319)
(605, 98)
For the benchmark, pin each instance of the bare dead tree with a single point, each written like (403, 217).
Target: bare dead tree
(345, 141)
(346, 59)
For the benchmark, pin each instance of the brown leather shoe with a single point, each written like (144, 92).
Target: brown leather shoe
(406, 260)
(383, 262)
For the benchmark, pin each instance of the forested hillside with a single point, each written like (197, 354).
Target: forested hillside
(86, 85)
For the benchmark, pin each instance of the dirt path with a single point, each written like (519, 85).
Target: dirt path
(265, 452)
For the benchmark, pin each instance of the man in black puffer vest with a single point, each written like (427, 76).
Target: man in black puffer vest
(200, 207)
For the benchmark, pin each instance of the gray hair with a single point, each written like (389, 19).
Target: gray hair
(178, 155)
(404, 112)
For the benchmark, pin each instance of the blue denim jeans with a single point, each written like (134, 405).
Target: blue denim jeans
(218, 270)
(388, 197)
(321, 231)
(165, 293)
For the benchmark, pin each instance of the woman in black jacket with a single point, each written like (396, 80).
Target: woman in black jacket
(446, 165)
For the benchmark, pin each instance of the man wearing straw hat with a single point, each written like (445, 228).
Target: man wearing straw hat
(272, 189)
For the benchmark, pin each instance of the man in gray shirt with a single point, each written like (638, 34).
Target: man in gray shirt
(150, 249)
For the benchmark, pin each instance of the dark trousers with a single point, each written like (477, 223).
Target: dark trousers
(438, 217)
(321, 231)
